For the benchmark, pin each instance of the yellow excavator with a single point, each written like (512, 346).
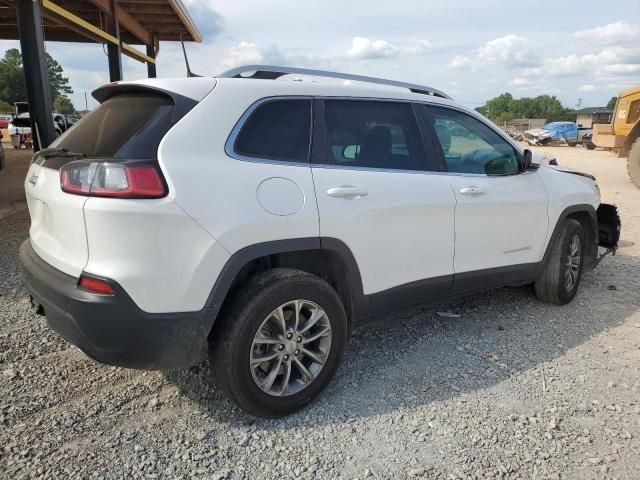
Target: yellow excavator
(622, 135)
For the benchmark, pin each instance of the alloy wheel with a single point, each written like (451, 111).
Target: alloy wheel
(572, 268)
(290, 348)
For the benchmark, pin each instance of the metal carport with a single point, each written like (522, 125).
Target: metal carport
(119, 24)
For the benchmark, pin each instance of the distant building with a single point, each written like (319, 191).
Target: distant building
(522, 124)
(586, 117)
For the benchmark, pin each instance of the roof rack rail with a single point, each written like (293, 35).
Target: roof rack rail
(271, 72)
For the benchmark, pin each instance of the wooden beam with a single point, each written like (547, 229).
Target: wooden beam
(78, 22)
(125, 20)
(60, 15)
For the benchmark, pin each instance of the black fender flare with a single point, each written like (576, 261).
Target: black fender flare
(573, 209)
(233, 266)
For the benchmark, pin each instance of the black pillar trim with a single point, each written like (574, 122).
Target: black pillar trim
(36, 72)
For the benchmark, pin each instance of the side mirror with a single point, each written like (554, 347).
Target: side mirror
(527, 160)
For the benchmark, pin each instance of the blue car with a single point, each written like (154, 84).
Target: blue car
(563, 132)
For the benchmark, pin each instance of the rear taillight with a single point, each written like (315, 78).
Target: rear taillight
(96, 285)
(106, 179)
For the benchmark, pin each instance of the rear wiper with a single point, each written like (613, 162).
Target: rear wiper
(58, 152)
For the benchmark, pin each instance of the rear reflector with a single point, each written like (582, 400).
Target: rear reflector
(106, 179)
(95, 285)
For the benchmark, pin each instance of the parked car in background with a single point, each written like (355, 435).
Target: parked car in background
(310, 207)
(587, 141)
(582, 132)
(553, 133)
(1, 153)
(20, 126)
(5, 120)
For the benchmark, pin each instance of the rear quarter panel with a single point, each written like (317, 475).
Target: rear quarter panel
(220, 192)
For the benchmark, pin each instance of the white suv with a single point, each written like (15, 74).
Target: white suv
(263, 218)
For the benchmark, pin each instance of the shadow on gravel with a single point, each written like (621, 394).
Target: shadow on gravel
(419, 357)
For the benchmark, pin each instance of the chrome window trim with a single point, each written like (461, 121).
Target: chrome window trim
(229, 144)
(235, 131)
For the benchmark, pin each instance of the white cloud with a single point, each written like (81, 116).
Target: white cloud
(621, 68)
(510, 50)
(610, 34)
(365, 48)
(248, 53)
(615, 59)
(586, 88)
(417, 47)
(460, 62)
(519, 82)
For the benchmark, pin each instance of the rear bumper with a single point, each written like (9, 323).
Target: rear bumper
(111, 329)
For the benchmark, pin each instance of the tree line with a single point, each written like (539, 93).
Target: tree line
(13, 87)
(505, 108)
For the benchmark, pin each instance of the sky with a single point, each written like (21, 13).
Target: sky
(582, 52)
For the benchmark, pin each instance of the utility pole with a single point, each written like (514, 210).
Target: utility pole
(86, 107)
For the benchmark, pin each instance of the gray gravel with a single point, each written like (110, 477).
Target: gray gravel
(511, 388)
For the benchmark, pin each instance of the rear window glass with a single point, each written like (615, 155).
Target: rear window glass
(128, 126)
(277, 130)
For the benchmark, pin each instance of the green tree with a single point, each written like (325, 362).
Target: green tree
(63, 105)
(612, 103)
(12, 83)
(58, 83)
(504, 108)
(5, 107)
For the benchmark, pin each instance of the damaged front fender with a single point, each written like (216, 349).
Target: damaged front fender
(608, 226)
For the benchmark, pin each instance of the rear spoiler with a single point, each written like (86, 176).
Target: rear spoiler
(182, 104)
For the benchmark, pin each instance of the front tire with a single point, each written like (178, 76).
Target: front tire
(560, 277)
(278, 342)
(633, 162)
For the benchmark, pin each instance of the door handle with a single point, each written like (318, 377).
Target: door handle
(472, 190)
(346, 191)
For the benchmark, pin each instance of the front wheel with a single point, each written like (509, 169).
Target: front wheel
(278, 342)
(560, 276)
(633, 162)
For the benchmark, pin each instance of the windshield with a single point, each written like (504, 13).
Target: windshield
(127, 126)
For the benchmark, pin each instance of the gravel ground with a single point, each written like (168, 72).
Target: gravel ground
(509, 388)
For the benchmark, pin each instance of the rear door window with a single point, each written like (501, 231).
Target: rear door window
(127, 126)
(277, 130)
(372, 134)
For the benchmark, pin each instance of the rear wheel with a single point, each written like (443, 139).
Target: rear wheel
(560, 276)
(633, 162)
(278, 342)
(590, 146)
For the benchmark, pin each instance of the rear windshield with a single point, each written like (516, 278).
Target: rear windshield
(128, 126)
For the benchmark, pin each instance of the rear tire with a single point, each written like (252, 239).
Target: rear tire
(266, 319)
(560, 277)
(633, 162)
